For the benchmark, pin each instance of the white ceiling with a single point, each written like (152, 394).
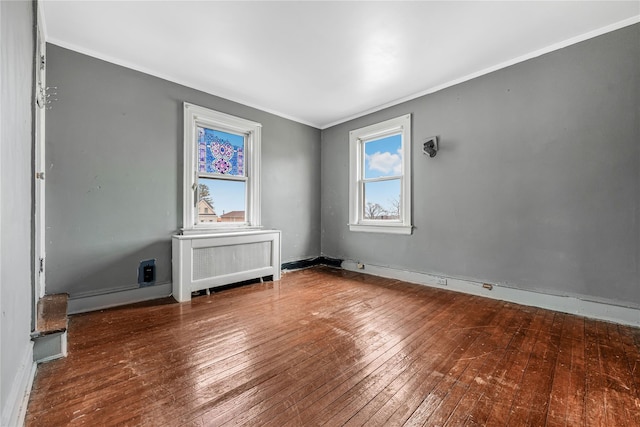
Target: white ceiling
(322, 63)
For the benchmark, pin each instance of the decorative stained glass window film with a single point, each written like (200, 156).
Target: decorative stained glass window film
(220, 152)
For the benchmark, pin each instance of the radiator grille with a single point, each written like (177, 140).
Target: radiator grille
(222, 260)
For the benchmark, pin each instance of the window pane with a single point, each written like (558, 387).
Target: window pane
(221, 200)
(382, 200)
(220, 152)
(383, 157)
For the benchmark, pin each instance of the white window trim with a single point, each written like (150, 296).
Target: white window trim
(357, 137)
(199, 116)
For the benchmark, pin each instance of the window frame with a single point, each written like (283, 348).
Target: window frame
(357, 140)
(195, 116)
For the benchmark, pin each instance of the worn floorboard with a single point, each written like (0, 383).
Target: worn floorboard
(330, 347)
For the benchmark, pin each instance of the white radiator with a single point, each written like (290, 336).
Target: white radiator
(206, 261)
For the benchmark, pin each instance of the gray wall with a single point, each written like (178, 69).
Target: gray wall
(536, 185)
(16, 62)
(114, 174)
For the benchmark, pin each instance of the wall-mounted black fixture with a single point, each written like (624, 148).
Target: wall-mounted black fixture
(147, 273)
(430, 146)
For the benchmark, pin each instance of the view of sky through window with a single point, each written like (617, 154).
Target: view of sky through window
(382, 158)
(224, 196)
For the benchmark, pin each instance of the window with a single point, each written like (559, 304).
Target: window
(221, 170)
(380, 177)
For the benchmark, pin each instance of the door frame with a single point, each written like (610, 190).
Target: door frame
(39, 156)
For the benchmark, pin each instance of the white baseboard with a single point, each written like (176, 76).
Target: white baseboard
(15, 409)
(84, 303)
(565, 304)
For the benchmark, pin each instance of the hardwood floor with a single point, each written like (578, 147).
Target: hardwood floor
(331, 347)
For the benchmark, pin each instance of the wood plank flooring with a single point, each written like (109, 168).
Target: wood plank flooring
(330, 347)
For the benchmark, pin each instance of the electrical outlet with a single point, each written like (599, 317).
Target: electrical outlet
(147, 273)
(441, 281)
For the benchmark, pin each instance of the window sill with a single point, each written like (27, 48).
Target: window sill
(217, 230)
(390, 229)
